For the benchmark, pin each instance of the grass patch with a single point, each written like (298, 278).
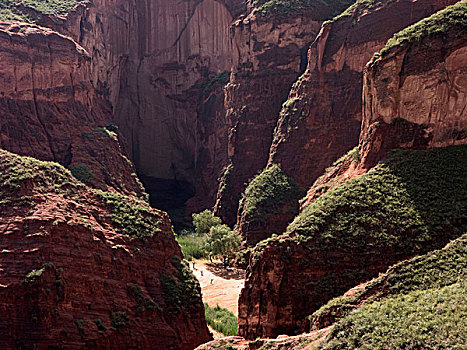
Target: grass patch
(193, 246)
(221, 320)
(429, 319)
(11, 9)
(433, 270)
(129, 216)
(287, 7)
(416, 201)
(267, 193)
(453, 18)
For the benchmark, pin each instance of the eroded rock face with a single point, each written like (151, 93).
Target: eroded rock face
(322, 117)
(432, 96)
(49, 109)
(97, 269)
(153, 58)
(296, 271)
(271, 56)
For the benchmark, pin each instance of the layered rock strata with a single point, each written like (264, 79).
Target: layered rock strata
(89, 269)
(50, 110)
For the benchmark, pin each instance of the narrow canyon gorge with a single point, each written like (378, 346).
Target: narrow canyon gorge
(327, 139)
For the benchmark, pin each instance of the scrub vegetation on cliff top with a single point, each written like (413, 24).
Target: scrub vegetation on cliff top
(436, 269)
(18, 9)
(267, 192)
(286, 7)
(221, 320)
(30, 176)
(453, 18)
(412, 202)
(427, 319)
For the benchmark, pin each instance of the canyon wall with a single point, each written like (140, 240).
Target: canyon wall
(271, 53)
(153, 59)
(50, 110)
(321, 119)
(89, 269)
(294, 274)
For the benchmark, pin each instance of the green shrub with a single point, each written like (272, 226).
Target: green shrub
(415, 201)
(181, 290)
(145, 303)
(192, 246)
(267, 192)
(81, 172)
(34, 275)
(204, 221)
(453, 18)
(221, 320)
(129, 216)
(119, 319)
(428, 319)
(222, 242)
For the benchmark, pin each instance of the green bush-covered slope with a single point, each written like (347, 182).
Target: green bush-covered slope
(413, 202)
(12, 9)
(452, 18)
(428, 319)
(436, 269)
(267, 193)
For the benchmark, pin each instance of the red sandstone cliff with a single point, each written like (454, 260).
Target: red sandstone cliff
(50, 110)
(271, 55)
(296, 272)
(89, 269)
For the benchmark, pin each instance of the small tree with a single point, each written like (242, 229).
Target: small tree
(204, 221)
(222, 242)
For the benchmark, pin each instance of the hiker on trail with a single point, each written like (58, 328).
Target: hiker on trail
(201, 273)
(211, 280)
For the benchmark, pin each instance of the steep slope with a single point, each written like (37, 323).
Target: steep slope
(416, 279)
(400, 208)
(271, 47)
(153, 59)
(50, 110)
(321, 119)
(436, 269)
(86, 268)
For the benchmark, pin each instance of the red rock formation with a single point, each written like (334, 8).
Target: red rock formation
(74, 274)
(270, 58)
(291, 274)
(50, 110)
(322, 117)
(153, 59)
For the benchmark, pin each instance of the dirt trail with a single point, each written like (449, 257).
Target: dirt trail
(220, 288)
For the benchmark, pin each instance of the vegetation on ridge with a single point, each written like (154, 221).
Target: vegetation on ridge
(407, 203)
(285, 7)
(428, 319)
(433, 270)
(11, 10)
(267, 192)
(453, 17)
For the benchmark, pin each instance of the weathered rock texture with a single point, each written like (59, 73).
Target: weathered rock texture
(50, 110)
(152, 58)
(322, 117)
(89, 269)
(302, 269)
(271, 56)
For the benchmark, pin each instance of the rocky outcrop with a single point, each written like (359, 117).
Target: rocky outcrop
(271, 54)
(351, 233)
(321, 119)
(50, 110)
(89, 269)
